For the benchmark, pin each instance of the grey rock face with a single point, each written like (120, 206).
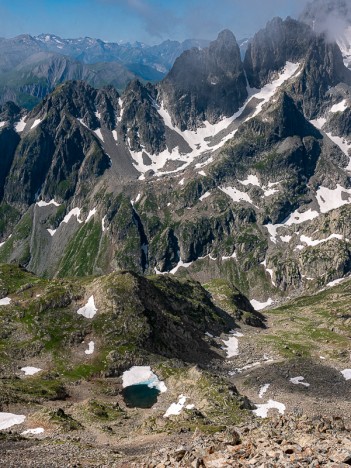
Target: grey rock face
(323, 69)
(273, 46)
(141, 123)
(59, 155)
(205, 84)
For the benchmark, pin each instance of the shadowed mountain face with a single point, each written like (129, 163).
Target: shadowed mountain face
(205, 84)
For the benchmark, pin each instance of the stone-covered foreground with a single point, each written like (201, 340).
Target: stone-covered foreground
(286, 441)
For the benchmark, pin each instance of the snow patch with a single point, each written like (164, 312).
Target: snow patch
(176, 408)
(91, 347)
(262, 410)
(203, 173)
(234, 255)
(36, 431)
(19, 127)
(335, 282)
(346, 373)
(2, 124)
(30, 370)
(330, 199)
(136, 200)
(340, 107)
(51, 232)
(114, 134)
(84, 124)
(263, 390)
(261, 305)
(307, 240)
(205, 195)
(99, 134)
(267, 92)
(91, 214)
(236, 195)
(142, 375)
(318, 123)
(299, 381)
(294, 218)
(250, 180)
(5, 301)
(231, 345)
(89, 310)
(42, 203)
(200, 140)
(342, 143)
(36, 123)
(73, 212)
(9, 419)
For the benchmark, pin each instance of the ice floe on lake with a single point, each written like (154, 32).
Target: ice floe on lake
(142, 375)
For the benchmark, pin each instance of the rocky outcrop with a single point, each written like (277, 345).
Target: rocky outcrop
(59, 156)
(141, 123)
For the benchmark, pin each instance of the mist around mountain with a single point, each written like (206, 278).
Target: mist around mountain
(333, 18)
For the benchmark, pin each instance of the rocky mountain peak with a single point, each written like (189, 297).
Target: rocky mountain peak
(226, 37)
(280, 41)
(205, 84)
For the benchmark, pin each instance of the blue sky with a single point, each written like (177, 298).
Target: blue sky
(150, 21)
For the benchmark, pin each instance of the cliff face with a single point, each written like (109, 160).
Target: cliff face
(205, 85)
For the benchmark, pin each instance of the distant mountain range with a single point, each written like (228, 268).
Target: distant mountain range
(31, 67)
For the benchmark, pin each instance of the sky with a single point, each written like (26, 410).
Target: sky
(149, 21)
